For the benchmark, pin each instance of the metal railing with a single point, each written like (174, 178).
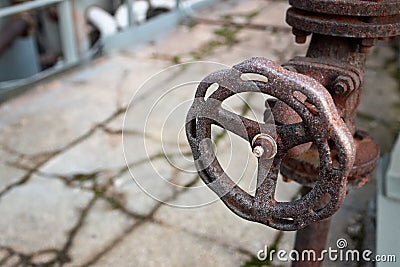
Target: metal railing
(71, 54)
(67, 28)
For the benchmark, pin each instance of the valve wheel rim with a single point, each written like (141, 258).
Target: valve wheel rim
(323, 126)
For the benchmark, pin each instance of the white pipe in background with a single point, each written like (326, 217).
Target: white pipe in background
(170, 4)
(109, 25)
(139, 13)
(102, 20)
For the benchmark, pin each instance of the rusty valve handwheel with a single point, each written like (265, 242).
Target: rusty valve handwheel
(320, 124)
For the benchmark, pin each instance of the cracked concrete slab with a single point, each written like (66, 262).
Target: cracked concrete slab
(379, 82)
(102, 226)
(44, 257)
(168, 246)
(216, 31)
(101, 151)
(135, 74)
(162, 113)
(216, 222)
(273, 13)
(36, 128)
(380, 115)
(38, 215)
(233, 9)
(277, 46)
(170, 50)
(171, 140)
(9, 175)
(12, 260)
(3, 254)
(348, 221)
(146, 185)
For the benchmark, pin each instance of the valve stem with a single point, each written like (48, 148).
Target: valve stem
(258, 151)
(264, 145)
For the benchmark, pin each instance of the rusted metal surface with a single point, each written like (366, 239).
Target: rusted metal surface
(341, 79)
(343, 82)
(305, 167)
(342, 33)
(321, 124)
(343, 26)
(349, 7)
(363, 21)
(313, 237)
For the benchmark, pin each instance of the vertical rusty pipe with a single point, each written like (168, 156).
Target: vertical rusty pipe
(313, 237)
(339, 48)
(348, 50)
(345, 50)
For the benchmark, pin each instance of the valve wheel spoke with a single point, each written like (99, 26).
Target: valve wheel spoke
(241, 126)
(267, 178)
(292, 135)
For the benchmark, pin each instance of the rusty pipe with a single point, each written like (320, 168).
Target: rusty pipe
(312, 238)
